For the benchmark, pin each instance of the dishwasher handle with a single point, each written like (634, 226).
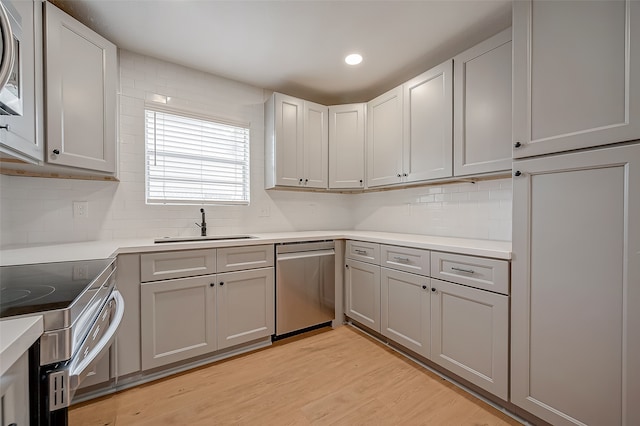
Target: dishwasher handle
(305, 254)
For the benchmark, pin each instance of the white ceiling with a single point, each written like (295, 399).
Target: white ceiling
(298, 47)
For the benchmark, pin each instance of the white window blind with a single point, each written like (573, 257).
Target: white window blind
(195, 161)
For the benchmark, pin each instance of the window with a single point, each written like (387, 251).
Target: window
(195, 161)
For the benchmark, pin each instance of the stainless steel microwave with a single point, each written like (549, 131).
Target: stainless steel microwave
(11, 95)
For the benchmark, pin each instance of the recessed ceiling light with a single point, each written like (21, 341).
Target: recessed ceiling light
(353, 59)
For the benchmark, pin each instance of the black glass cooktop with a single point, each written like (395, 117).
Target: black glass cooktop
(26, 289)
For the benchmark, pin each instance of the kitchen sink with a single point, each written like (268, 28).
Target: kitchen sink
(206, 238)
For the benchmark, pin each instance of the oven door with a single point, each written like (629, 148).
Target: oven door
(64, 382)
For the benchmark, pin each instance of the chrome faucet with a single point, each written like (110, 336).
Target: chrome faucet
(203, 225)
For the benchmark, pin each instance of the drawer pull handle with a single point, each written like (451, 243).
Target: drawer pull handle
(402, 259)
(468, 271)
(362, 252)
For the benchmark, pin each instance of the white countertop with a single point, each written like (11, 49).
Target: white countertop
(102, 249)
(16, 336)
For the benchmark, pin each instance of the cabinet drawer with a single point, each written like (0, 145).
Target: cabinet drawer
(366, 252)
(247, 257)
(177, 264)
(405, 259)
(485, 274)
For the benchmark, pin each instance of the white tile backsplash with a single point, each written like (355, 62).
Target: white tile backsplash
(37, 210)
(481, 210)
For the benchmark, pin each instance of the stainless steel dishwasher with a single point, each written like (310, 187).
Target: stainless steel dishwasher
(305, 285)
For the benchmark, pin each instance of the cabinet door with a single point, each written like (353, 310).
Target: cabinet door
(470, 335)
(482, 107)
(346, 146)
(177, 320)
(576, 74)
(289, 138)
(81, 86)
(576, 287)
(428, 125)
(14, 393)
(316, 145)
(245, 306)
(405, 309)
(384, 139)
(363, 293)
(24, 136)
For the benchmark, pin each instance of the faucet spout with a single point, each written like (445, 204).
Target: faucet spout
(203, 225)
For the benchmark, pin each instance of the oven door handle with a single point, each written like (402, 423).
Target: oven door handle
(79, 369)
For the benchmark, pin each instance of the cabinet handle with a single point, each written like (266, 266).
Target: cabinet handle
(306, 180)
(399, 175)
(221, 283)
(360, 181)
(362, 252)
(468, 271)
(5, 127)
(212, 284)
(518, 173)
(517, 145)
(402, 259)
(300, 181)
(405, 175)
(346, 266)
(424, 287)
(56, 151)
(434, 290)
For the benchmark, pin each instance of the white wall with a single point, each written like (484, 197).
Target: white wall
(37, 210)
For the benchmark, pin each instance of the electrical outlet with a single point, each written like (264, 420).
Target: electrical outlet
(80, 272)
(81, 209)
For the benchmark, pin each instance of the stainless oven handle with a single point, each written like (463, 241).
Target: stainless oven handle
(79, 370)
(8, 51)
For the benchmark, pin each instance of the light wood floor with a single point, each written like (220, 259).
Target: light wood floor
(339, 377)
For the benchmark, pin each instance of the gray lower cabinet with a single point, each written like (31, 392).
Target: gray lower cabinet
(178, 319)
(245, 306)
(405, 309)
(363, 293)
(14, 393)
(470, 334)
(457, 324)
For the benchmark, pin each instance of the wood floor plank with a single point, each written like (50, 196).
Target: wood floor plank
(332, 377)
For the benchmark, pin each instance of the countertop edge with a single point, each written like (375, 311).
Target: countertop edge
(16, 337)
(109, 248)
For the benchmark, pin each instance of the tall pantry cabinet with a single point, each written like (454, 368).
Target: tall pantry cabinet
(575, 312)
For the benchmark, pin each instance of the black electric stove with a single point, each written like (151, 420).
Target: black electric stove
(81, 311)
(34, 289)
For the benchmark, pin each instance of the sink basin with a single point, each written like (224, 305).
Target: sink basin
(207, 238)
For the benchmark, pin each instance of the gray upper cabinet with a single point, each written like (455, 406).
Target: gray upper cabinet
(576, 75)
(23, 138)
(428, 128)
(482, 107)
(346, 146)
(296, 141)
(384, 139)
(81, 85)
